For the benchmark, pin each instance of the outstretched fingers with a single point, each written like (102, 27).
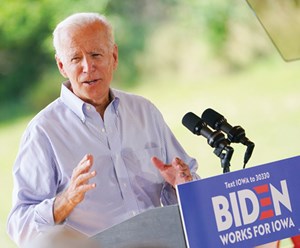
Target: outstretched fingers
(182, 169)
(79, 184)
(84, 165)
(158, 163)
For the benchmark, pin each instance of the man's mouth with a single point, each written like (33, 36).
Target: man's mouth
(91, 82)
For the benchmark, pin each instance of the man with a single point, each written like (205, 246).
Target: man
(129, 159)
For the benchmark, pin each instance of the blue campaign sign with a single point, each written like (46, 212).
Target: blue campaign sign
(243, 208)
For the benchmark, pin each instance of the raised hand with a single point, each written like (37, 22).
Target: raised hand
(175, 173)
(75, 193)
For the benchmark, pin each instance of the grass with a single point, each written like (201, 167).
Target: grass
(264, 100)
(10, 135)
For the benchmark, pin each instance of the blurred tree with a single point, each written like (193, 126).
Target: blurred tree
(174, 28)
(26, 52)
(134, 21)
(24, 24)
(26, 44)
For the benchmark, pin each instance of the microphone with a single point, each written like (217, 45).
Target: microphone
(215, 139)
(197, 126)
(235, 134)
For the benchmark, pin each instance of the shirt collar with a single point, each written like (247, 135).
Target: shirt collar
(115, 100)
(77, 105)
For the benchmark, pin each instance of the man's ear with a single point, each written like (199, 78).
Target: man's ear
(115, 56)
(60, 66)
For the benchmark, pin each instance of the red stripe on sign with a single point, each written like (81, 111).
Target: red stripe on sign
(261, 189)
(266, 214)
(265, 201)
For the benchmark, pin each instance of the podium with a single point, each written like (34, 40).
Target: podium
(155, 228)
(244, 208)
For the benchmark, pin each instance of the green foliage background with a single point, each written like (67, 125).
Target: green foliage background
(28, 73)
(184, 55)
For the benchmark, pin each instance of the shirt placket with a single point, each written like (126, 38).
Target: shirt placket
(96, 125)
(114, 143)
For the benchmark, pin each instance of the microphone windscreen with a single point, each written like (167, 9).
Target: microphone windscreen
(191, 122)
(211, 117)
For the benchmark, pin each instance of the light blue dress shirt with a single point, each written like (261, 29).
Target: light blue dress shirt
(133, 131)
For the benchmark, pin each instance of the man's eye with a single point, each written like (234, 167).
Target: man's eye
(75, 60)
(96, 55)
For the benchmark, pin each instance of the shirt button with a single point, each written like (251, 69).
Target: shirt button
(88, 107)
(103, 130)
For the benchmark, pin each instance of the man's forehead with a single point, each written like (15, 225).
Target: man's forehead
(95, 29)
(75, 41)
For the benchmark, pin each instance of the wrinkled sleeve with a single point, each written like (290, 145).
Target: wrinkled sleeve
(172, 149)
(35, 185)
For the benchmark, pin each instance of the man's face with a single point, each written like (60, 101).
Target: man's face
(88, 61)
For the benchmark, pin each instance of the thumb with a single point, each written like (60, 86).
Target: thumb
(158, 163)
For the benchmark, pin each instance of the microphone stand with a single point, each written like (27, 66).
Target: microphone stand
(222, 148)
(237, 135)
(225, 154)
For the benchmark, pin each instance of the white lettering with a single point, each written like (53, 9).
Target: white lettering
(235, 209)
(280, 197)
(249, 195)
(222, 215)
(262, 229)
(237, 236)
(277, 225)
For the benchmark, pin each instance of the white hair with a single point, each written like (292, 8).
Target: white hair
(81, 20)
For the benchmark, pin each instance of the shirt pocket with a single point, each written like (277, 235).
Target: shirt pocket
(139, 165)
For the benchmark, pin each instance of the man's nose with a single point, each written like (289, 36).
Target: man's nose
(87, 64)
